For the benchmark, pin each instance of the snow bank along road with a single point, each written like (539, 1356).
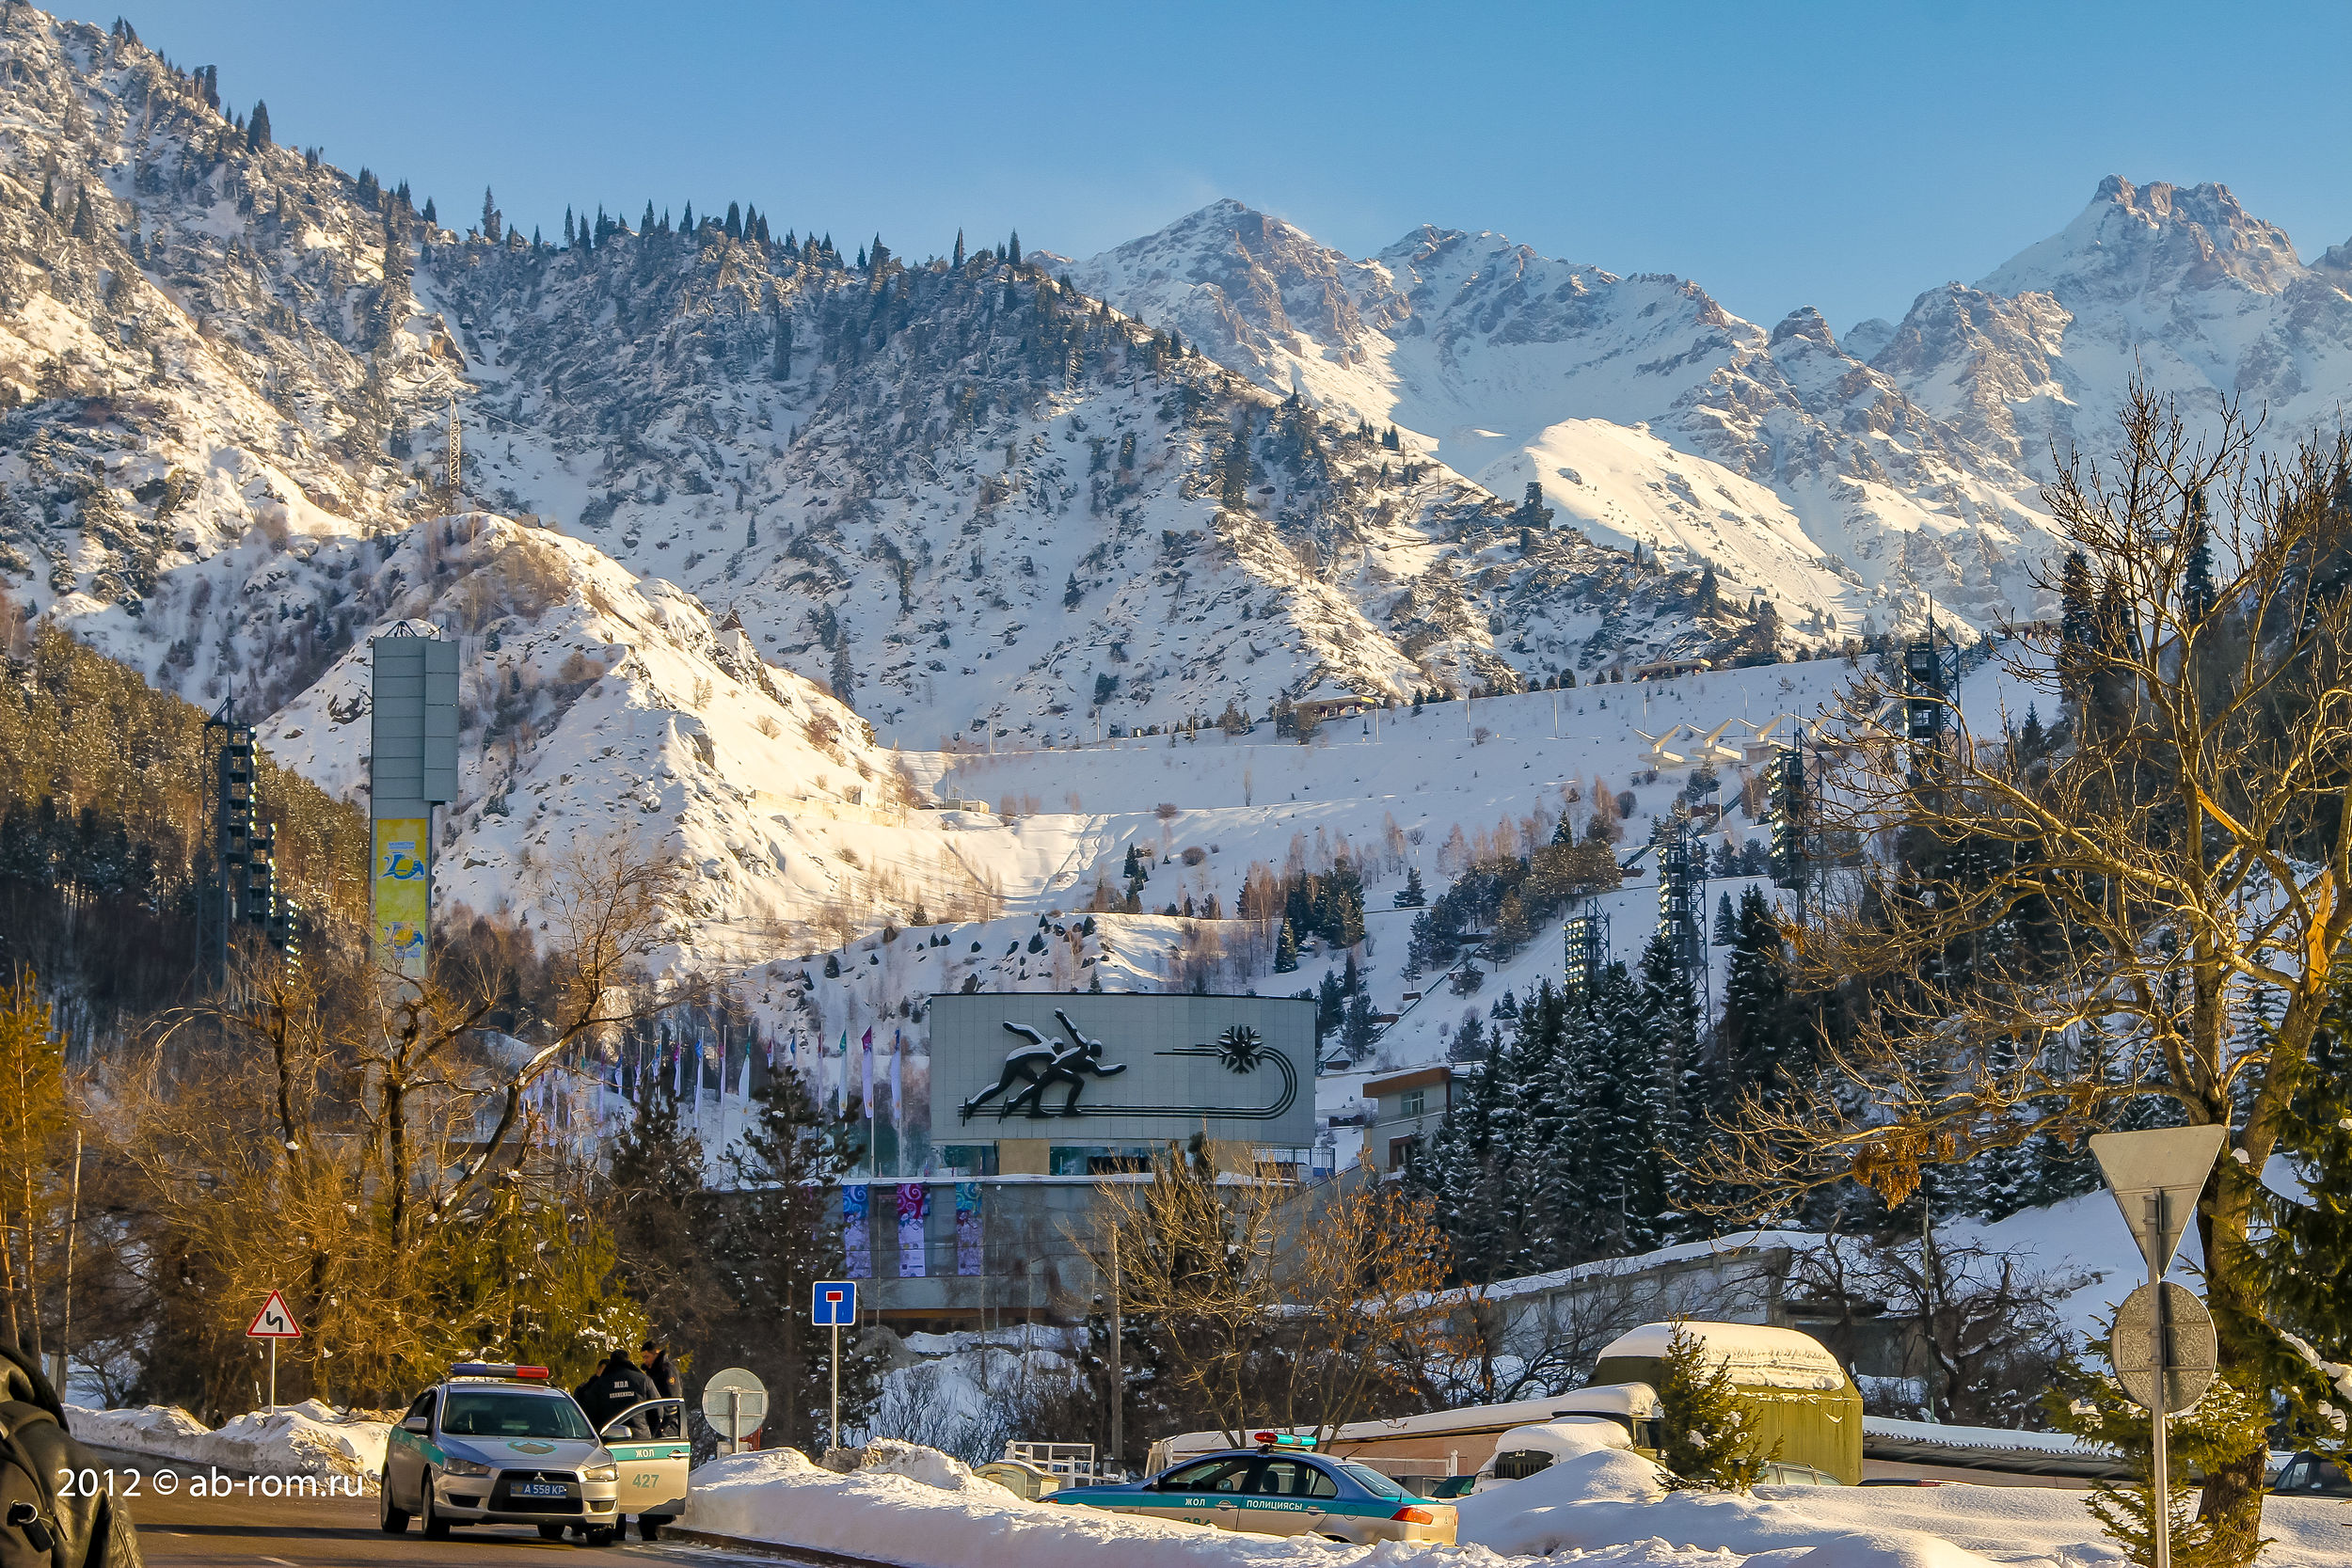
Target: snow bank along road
(1599, 1509)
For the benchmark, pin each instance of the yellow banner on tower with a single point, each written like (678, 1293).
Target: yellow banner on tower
(404, 891)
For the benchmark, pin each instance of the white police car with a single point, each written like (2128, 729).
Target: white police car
(1278, 1488)
(493, 1444)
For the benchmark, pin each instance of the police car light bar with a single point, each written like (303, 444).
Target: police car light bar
(496, 1368)
(1281, 1440)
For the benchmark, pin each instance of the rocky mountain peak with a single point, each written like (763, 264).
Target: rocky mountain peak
(1804, 323)
(2132, 239)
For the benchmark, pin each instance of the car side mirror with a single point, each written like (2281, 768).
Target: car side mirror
(416, 1424)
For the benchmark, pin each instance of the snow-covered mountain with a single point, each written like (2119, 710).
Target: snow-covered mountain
(1840, 478)
(714, 478)
(2183, 287)
(1645, 410)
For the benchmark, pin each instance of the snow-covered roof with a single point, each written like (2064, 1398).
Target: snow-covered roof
(1755, 1353)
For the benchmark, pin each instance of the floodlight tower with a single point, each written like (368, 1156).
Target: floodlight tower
(1682, 900)
(1586, 939)
(1792, 817)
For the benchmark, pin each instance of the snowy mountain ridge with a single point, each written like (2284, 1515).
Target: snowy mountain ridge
(1855, 477)
(980, 501)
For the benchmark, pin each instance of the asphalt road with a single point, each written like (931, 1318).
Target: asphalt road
(179, 1531)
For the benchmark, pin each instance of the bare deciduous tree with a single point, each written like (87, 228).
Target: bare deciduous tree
(1300, 1306)
(2038, 936)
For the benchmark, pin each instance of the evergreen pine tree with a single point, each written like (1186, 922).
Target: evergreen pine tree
(1413, 896)
(844, 677)
(958, 262)
(2196, 589)
(1708, 1430)
(257, 129)
(782, 1235)
(686, 223)
(1754, 1039)
(644, 225)
(48, 194)
(1711, 598)
(1012, 248)
(733, 227)
(428, 214)
(1725, 932)
(1671, 1024)
(1286, 951)
(2303, 1256)
(2078, 627)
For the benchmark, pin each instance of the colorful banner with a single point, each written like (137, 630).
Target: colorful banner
(915, 1205)
(970, 1253)
(404, 891)
(857, 1253)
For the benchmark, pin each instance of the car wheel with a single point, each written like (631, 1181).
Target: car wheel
(551, 1532)
(436, 1528)
(393, 1520)
(601, 1535)
(648, 1530)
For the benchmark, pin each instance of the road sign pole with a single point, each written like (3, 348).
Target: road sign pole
(273, 1386)
(836, 1389)
(734, 1420)
(2159, 1217)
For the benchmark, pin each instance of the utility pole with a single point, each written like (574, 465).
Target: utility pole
(1119, 1367)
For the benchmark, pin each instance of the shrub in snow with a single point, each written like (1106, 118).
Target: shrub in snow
(1709, 1432)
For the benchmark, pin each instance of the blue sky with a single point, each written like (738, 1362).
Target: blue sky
(1840, 156)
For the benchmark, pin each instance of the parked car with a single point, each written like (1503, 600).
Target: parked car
(2307, 1474)
(1278, 1488)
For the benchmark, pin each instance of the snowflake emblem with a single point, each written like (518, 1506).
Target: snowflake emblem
(1239, 1048)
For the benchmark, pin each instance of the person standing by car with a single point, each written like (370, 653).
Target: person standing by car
(613, 1388)
(663, 1376)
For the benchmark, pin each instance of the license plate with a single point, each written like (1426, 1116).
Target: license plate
(537, 1489)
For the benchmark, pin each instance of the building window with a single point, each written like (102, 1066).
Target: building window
(1097, 1158)
(967, 1159)
(1411, 1102)
(1400, 1151)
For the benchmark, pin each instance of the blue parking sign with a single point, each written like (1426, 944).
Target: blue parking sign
(834, 1303)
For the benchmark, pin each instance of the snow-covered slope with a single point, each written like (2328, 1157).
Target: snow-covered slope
(1643, 409)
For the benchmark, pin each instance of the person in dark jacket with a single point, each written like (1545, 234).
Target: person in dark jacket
(613, 1388)
(81, 1529)
(666, 1423)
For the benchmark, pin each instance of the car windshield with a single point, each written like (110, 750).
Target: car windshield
(498, 1412)
(1373, 1480)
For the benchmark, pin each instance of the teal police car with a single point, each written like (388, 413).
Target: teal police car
(1280, 1487)
(493, 1444)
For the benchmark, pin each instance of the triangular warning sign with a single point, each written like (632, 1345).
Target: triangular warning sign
(2156, 1176)
(274, 1320)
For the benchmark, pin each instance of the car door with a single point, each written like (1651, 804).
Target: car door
(1192, 1492)
(652, 1471)
(403, 1453)
(1287, 1496)
(1229, 1496)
